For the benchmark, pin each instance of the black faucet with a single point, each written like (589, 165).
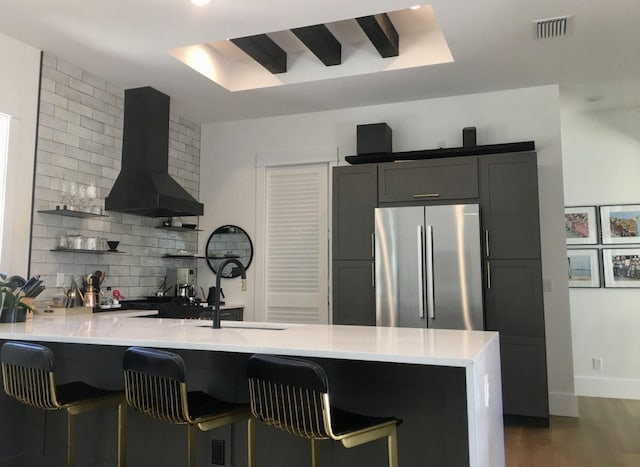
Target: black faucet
(216, 302)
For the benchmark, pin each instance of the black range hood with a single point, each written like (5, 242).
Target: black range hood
(144, 186)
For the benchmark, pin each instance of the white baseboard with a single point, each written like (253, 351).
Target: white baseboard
(616, 388)
(563, 404)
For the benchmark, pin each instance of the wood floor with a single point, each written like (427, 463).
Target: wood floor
(607, 434)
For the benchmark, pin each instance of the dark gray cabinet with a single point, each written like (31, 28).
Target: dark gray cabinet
(354, 300)
(426, 180)
(524, 381)
(506, 186)
(509, 204)
(354, 201)
(513, 297)
(513, 294)
(355, 197)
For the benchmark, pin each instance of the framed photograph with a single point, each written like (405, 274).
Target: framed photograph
(581, 225)
(621, 267)
(584, 267)
(620, 224)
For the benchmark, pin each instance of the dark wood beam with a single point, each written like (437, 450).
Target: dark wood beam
(321, 42)
(264, 51)
(382, 34)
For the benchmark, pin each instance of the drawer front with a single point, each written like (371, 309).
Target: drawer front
(428, 180)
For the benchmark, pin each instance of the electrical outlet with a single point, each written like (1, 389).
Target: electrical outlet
(217, 451)
(597, 363)
(60, 279)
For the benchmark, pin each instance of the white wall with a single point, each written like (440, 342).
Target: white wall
(19, 98)
(228, 174)
(601, 156)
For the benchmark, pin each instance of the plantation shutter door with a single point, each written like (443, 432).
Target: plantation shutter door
(296, 257)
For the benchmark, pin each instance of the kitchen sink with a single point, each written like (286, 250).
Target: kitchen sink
(261, 328)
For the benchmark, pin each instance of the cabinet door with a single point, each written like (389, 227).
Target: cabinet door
(513, 297)
(432, 179)
(524, 376)
(354, 201)
(509, 201)
(354, 293)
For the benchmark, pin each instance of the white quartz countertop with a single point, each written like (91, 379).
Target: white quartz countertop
(366, 343)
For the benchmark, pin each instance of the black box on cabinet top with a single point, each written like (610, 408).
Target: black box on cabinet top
(469, 136)
(374, 138)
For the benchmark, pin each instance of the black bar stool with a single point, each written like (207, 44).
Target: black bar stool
(28, 375)
(155, 385)
(293, 395)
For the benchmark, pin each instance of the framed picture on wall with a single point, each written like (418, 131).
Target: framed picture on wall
(620, 224)
(621, 267)
(583, 266)
(581, 225)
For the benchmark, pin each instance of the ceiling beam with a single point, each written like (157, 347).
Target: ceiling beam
(321, 42)
(382, 34)
(264, 51)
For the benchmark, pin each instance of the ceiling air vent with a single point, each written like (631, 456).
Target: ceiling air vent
(552, 27)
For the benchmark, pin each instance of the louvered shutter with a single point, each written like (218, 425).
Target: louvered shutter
(296, 259)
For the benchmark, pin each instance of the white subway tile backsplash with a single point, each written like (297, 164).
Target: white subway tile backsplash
(79, 154)
(49, 121)
(107, 98)
(90, 146)
(69, 69)
(54, 75)
(97, 83)
(68, 92)
(82, 87)
(90, 123)
(54, 99)
(80, 139)
(66, 138)
(46, 108)
(45, 133)
(66, 115)
(50, 146)
(101, 116)
(85, 111)
(78, 130)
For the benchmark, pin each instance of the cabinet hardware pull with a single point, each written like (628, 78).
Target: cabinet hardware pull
(373, 245)
(427, 195)
(420, 247)
(488, 275)
(486, 242)
(373, 275)
(430, 298)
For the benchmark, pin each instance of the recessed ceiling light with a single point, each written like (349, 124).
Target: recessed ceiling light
(415, 7)
(200, 2)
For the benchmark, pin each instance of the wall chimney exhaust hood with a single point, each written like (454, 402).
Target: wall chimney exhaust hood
(144, 186)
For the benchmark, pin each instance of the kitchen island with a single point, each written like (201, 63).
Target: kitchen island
(445, 384)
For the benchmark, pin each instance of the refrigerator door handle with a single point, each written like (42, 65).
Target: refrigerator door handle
(420, 272)
(430, 300)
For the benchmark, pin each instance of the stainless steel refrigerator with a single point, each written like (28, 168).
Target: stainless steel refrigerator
(428, 267)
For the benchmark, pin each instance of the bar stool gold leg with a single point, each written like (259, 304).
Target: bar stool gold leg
(393, 449)
(314, 453)
(122, 429)
(71, 428)
(251, 442)
(191, 445)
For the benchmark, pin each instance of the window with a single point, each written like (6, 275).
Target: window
(4, 152)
